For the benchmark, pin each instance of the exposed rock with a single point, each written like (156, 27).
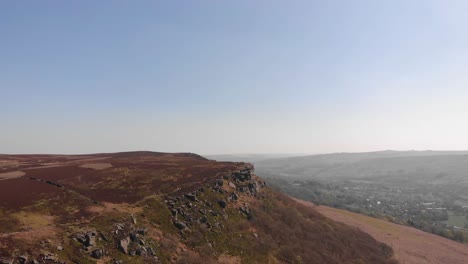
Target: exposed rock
(123, 245)
(23, 259)
(234, 196)
(232, 185)
(133, 237)
(180, 225)
(90, 239)
(142, 231)
(117, 261)
(222, 203)
(80, 237)
(191, 196)
(59, 248)
(104, 237)
(97, 253)
(219, 183)
(174, 212)
(141, 251)
(245, 209)
(214, 213)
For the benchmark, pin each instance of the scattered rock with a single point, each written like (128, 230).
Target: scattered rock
(180, 225)
(174, 212)
(97, 253)
(59, 248)
(232, 185)
(142, 231)
(219, 183)
(222, 203)
(234, 196)
(191, 197)
(104, 237)
(123, 245)
(23, 259)
(133, 219)
(90, 239)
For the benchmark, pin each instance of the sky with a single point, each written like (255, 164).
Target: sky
(220, 77)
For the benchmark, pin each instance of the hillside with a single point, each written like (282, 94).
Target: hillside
(411, 246)
(147, 207)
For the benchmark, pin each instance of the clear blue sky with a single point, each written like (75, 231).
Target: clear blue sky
(233, 76)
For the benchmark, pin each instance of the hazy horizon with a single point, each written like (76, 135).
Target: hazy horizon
(218, 78)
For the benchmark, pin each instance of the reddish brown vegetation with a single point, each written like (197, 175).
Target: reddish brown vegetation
(16, 193)
(411, 246)
(305, 236)
(73, 196)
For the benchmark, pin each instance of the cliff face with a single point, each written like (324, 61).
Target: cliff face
(163, 208)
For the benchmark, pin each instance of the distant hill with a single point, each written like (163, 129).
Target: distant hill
(438, 167)
(146, 207)
(252, 158)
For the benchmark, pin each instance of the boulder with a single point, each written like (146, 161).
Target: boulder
(134, 237)
(191, 196)
(222, 203)
(141, 251)
(234, 196)
(180, 225)
(123, 245)
(90, 241)
(23, 259)
(97, 253)
(232, 185)
(80, 237)
(174, 212)
(142, 231)
(219, 182)
(245, 210)
(104, 237)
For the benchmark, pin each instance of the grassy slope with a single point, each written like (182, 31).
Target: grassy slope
(411, 246)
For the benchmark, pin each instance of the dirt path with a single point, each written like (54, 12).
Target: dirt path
(11, 175)
(411, 246)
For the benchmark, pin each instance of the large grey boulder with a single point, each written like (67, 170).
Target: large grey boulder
(123, 245)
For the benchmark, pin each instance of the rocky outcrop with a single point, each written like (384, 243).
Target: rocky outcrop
(196, 208)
